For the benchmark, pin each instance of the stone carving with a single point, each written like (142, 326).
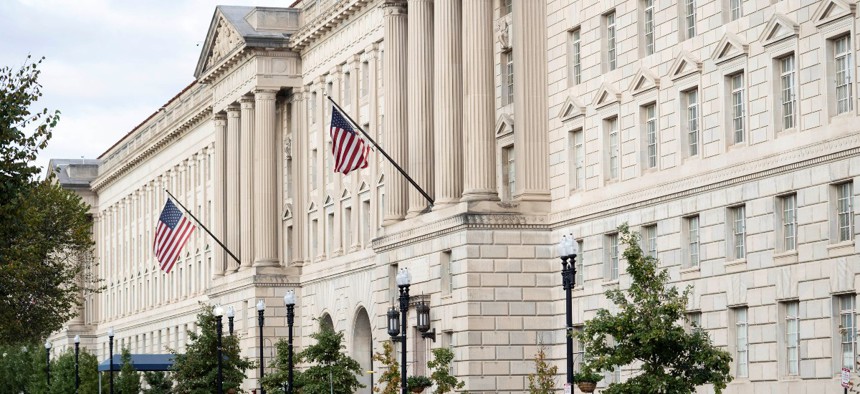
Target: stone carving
(288, 147)
(503, 34)
(225, 40)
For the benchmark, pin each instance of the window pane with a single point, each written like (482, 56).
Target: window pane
(649, 27)
(693, 224)
(844, 210)
(610, 41)
(842, 51)
(789, 208)
(737, 84)
(614, 154)
(788, 91)
(651, 134)
(742, 343)
(693, 121)
(690, 14)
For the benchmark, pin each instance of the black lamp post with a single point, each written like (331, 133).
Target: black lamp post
(77, 353)
(110, 361)
(219, 326)
(290, 302)
(567, 251)
(403, 280)
(261, 308)
(424, 321)
(48, 362)
(230, 314)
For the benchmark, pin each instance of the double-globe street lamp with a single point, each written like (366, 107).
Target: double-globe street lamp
(567, 251)
(397, 323)
(77, 353)
(219, 327)
(48, 362)
(231, 313)
(290, 303)
(261, 308)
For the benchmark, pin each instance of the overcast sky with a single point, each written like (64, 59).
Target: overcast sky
(109, 64)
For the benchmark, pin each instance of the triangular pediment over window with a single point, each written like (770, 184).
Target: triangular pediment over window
(684, 65)
(328, 201)
(643, 81)
(288, 211)
(570, 109)
(730, 47)
(345, 194)
(606, 95)
(504, 125)
(832, 10)
(777, 29)
(312, 207)
(364, 187)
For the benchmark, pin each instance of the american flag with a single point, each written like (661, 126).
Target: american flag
(171, 234)
(349, 149)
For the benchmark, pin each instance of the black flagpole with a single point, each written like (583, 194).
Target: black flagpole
(390, 160)
(204, 227)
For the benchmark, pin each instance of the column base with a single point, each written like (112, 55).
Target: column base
(480, 195)
(267, 263)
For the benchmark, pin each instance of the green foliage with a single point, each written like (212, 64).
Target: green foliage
(331, 369)
(587, 374)
(389, 379)
(63, 373)
(441, 366)
(414, 382)
(543, 380)
(274, 381)
(158, 383)
(647, 331)
(196, 371)
(128, 381)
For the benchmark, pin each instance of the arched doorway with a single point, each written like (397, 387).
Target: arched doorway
(326, 321)
(362, 349)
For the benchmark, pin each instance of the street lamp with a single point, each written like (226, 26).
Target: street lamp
(424, 321)
(290, 302)
(77, 353)
(261, 308)
(403, 281)
(48, 362)
(110, 361)
(567, 251)
(230, 315)
(219, 312)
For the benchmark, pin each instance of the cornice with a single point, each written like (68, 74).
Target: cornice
(325, 21)
(226, 65)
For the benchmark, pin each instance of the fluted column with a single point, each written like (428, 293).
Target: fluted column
(395, 112)
(530, 102)
(448, 101)
(233, 240)
(266, 145)
(420, 102)
(479, 175)
(220, 192)
(246, 182)
(300, 175)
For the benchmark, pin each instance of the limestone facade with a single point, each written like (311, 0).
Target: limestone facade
(722, 131)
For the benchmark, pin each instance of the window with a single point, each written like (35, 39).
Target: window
(692, 227)
(508, 77)
(792, 337)
(842, 59)
(846, 330)
(579, 275)
(648, 6)
(347, 228)
(313, 108)
(577, 153)
(446, 276)
(649, 115)
(611, 49)
(507, 7)
(741, 342)
(365, 78)
(694, 321)
(329, 235)
(313, 168)
(736, 84)
(347, 88)
(788, 92)
(844, 211)
(689, 19)
(329, 91)
(691, 101)
(578, 347)
(649, 240)
(612, 257)
(787, 206)
(365, 223)
(575, 59)
(735, 10)
(509, 172)
(737, 232)
(314, 239)
(613, 148)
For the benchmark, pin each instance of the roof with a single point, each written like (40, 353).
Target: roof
(141, 362)
(74, 172)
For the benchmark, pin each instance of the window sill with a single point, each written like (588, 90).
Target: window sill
(785, 258)
(736, 265)
(691, 272)
(611, 283)
(843, 248)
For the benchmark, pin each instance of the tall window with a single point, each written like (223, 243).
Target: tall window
(578, 348)
(577, 152)
(736, 9)
(736, 82)
(612, 256)
(689, 18)
(691, 100)
(365, 78)
(580, 265)
(347, 88)
(846, 330)
(738, 232)
(648, 6)
(789, 92)
(508, 76)
(649, 240)
(844, 210)
(611, 55)
(313, 107)
(329, 235)
(365, 223)
(614, 148)
(510, 174)
(792, 337)
(695, 320)
(313, 167)
(314, 239)
(842, 58)
(693, 240)
(347, 228)
(789, 221)
(446, 276)
(575, 58)
(741, 342)
(650, 118)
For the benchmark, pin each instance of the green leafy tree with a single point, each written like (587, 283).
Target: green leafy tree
(45, 240)
(441, 375)
(196, 371)
(158, 383)
(63, 373)
(647, 330)
(331, 368)
(128, 381)
(543, 380)
(274, 382)
(389, 379)
(16, 367)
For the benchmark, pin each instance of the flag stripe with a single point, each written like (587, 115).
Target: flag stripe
(171, 235)
(349, 149)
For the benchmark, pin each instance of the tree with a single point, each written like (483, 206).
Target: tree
(63, 373)
(390, 376)
(16, 367)
(196, 371)
(543, 380)
(647, 331)
(331, 369)
(128, 381)
(441, 375)
(45, 242)
(158, 383)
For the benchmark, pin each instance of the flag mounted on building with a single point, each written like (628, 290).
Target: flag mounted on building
(349, 149)
(171, 235)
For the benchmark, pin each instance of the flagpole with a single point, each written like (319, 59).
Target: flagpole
(390, 160)
(204, 227)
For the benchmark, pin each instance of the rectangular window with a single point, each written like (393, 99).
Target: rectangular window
(446, 274)
(792, 337)
(844, 211)
(365, 223)
(578, 348)
(365, 78)
(347, 88)
(689, 18)
(649, 26)
(347, 228)
(509, 172)
(577, 152)
(575, 60)
(736, 9)
(650, 118)
(613, 148)
(579, 276)
(313, 108)
(694, 321)
(693, 240)
(649, 240)
(736, 82)
(313, 168)
(314, 239)
(611, 55)
(789, 92)
(508, 76)
(738, 232)
(788, 208)
(846, 330)
(612, 257)
(691, 100)
(842, 59)
(741, 342)
(329, 234)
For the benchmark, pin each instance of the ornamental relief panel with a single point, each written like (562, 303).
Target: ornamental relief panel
(226, 39)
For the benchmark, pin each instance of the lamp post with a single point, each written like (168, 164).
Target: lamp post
(290, 302)
(110, 361)
(77, 353)
(567, 251)
(219, 312)
(230, 315)
(48, 362)
(403, 280)
(424, 321)
(261, 308)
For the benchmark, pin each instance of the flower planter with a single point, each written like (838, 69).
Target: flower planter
(417, 389)
(587, 387)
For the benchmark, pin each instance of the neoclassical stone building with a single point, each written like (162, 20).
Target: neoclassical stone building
(724, 131)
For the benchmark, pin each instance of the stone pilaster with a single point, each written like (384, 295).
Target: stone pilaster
(530, 102)
(337, 249)
(266, 217)
(246, 182)
(300, 176)
(395, 83)
(233, 240)
(479, 176)
(420, 102)
(448, 101)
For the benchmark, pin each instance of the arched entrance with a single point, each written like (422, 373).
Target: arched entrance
(362, 349)
(326, 321)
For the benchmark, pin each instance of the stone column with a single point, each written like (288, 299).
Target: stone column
(337, 249)
(266, 217)
(300, 175)
(448, 101)
(220, 202)
(479, 176)
(395, 109)
(420, 102)
(530, 102)
(246, 182)
(233, 240)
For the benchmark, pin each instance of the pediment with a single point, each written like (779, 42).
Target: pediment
(504, 125)
(684, 65)
(344, 194)
(364, 187)
(606, 95)
(832, 10)
(777, 29)
(222, 40)
(381, 180)
(571, 109)
(729, 47)
(328, 201)
(643, 81)
(312, 207)
(288, 211)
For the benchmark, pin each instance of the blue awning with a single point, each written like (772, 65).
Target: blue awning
(141, 362)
